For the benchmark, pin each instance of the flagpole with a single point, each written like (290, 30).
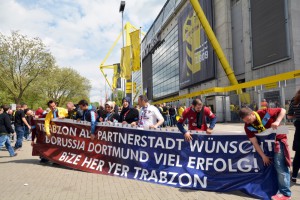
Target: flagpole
(124, 81)
(131, 76)
(141, 60)
(131, 86)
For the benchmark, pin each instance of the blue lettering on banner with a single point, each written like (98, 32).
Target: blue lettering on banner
(208, 162)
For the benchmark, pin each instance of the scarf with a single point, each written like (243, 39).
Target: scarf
(260, 127)
(200, 118)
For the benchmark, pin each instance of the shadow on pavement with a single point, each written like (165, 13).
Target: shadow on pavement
(237, 193)
(36, 162)
(23, 161)
(4, 156)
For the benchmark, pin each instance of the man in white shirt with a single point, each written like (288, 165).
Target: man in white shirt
(149, 116)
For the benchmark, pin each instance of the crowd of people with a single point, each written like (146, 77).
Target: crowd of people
(264, 104)
(145, 115)
(18, 125)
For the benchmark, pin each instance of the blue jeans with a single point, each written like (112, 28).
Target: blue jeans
(283, 173)
(20, 130)
(173, 120)
(165, 122)
(26, 132)
(5, 139)
(168, 123)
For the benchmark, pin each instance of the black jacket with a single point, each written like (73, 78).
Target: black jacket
(172, 111)
(110, 117)
(5, 124)
(131, 116)
(12, 119)
(75, 114)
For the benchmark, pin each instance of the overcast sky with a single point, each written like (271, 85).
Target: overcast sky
(79, 33)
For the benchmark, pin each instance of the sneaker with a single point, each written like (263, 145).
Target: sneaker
(280, 197)
(294, 180)
(44, 160)
(14, 155)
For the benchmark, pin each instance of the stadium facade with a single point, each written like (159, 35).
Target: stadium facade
(259, 38)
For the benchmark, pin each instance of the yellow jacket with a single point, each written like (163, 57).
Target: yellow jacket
(61, 112)
(180, 111)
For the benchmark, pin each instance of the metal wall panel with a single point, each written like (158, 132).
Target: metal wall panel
(269, 31)
(237, 38)
(147, 76)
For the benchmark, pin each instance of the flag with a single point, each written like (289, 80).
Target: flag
(136, 50)
(116, 75)
(125, 63)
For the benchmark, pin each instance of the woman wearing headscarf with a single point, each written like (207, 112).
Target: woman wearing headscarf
(128, 113)
(109, 115)
(294, 113)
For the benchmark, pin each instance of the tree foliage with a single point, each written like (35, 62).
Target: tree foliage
(117, 97)
(29, 74)
(22, 60)
(66, 84)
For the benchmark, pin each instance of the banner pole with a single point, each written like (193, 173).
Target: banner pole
(131, 87)
(141, 60)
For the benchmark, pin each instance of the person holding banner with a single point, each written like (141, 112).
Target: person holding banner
(55, 112)
(149, 116)
(196, 115)
(109, 114)
(73, 111)
(294, 113)
(257, 122)
(128, 114)
(88, 115)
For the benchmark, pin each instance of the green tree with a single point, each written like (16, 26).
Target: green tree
(117, 97)
(22, 61)
(96, 104)
(65, 84)
(5, 98)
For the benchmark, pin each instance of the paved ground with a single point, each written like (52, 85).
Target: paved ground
(23, 178)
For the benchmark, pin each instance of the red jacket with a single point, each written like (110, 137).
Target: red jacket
(273, 114)
(191, 115)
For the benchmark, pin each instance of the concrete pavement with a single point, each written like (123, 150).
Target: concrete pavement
(24, 178)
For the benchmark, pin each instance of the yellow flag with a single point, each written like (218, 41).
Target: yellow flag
(116, 75)
(125, 63)
(136, 50)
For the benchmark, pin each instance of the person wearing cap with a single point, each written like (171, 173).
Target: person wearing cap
(128, 113)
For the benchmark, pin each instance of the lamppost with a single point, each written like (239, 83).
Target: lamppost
(121, 9)
(105, 89)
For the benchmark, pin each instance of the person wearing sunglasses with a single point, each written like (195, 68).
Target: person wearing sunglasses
(109, 115)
